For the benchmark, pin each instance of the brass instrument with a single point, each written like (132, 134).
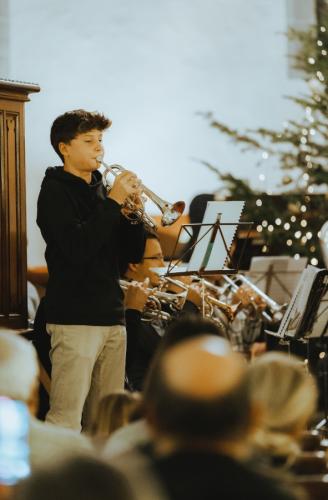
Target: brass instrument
(153, 308)
(274, 311)
(209, 301)
(170, 211)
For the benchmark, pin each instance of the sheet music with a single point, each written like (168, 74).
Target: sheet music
(297, 308)
(230, 212)
(285, 275)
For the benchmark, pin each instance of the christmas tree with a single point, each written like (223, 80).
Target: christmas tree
(289, 223)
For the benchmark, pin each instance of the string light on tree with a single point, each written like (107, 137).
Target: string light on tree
(292, 218)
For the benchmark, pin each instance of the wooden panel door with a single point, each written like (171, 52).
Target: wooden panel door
(13, 242)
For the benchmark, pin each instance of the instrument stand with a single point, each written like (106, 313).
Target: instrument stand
(212, 231)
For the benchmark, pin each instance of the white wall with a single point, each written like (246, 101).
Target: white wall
(151, 65)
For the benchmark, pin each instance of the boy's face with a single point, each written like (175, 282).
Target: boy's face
(81, 152)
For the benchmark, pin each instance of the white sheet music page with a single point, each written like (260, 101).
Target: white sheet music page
(230, 212)
(296, 309)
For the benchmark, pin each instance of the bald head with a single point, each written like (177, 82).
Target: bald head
(198, 389)
(203, 368)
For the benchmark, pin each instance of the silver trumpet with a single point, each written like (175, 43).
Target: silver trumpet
(170, 211)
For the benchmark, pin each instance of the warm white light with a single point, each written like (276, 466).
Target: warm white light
(303, 140)
(306, 176)
(286, 226)
(264, 223)
(303, 223)
(264, 248)
(324, 52)
(293, 218)
(319, 234)
(311, 60)
(296, 256)
(305, 131)
(278, 221)
(320, 76)
(303, 239)
(319, 43)
(314, 261)
(322, 29)
(309, 235)
(259, 229)
(289, 243)
(259, 203)
(310, 189)
(298, 234)
(270, 228)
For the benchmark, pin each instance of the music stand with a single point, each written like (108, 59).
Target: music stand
(211, 252)
(307, 318)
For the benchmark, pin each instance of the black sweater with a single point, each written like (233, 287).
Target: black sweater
(86, 235)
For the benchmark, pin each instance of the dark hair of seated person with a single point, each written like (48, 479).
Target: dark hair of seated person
(187, 327)
(82, 478)
(123, 263)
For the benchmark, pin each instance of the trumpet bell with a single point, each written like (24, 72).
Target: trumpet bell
(172, 212)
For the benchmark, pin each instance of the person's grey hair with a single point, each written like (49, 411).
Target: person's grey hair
(19, 367)
(287, 395)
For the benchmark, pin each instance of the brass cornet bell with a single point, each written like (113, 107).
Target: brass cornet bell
(170, 211)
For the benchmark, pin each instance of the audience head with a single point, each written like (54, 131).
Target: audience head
(19, 369)
(114, 411)
(152, 257)
(78, 479)
(287, 395)
(197, 393)
(187, 327)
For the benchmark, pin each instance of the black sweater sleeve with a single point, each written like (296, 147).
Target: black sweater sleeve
(140, 335)
(132, 241)
(79, 240)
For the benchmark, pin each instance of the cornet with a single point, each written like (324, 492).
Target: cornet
(153, 307)
(170, 212)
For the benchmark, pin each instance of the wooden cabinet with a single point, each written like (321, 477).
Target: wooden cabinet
(13, 284)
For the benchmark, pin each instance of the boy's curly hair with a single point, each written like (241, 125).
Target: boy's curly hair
(67, 126)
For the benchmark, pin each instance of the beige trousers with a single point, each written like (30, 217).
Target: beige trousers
(88, 362)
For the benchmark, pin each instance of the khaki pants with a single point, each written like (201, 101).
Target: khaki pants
(88, 362)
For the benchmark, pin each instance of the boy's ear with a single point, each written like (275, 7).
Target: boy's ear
(63, 148)
(132, 267)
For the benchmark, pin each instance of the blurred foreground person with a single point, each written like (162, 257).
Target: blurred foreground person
(288, 397)
(137, 433)
(19, 372)
(115, 411)
(201, 417)
(79, 479)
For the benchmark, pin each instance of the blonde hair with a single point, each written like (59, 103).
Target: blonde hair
(19, 367)
(287, 395)
(114, 411)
